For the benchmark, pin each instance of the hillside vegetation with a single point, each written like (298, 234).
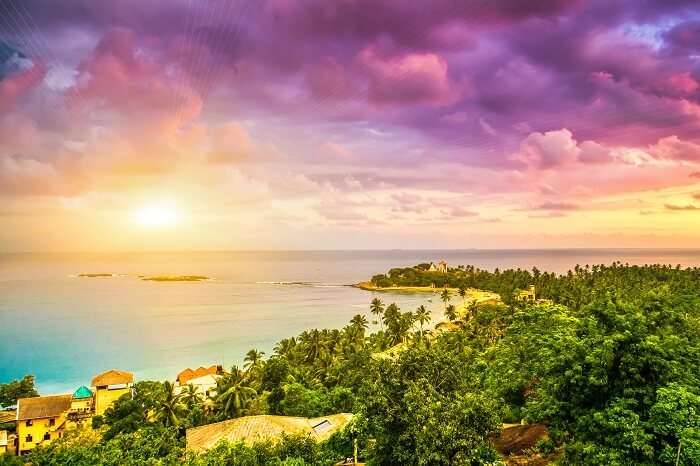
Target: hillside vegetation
(611, 366)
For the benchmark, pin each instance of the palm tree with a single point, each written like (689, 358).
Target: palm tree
(391, 314)
(233, 393)
(169, 408)
(376, 307)
(285, 346)
(360, 323)
(445, 296)
(333, 341)
(472, 308)
(451, 312)
(313, 344)
(406, 322)
(191, 396)
(463, 293)
(422, 316)
(253, 360)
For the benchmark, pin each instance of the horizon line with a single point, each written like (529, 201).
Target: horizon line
(210, 251)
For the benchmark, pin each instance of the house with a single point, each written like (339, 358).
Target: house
(251, 429)
(40, 420)
(185, 376)
(109, 386)
(204, 385)
(440, 267)
(82, 406)
(527, 295)
(203, 379)
(4, 440)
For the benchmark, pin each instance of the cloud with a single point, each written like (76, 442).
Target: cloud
(414, 78)
(16, 85)
(460, 212)
(230, 142)
(26, 176)
(675, 207)
(673, 148)
(558, 206)
(548, 150)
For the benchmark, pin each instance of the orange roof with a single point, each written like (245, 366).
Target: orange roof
(42, 406)
(112, 377)
(189, 374)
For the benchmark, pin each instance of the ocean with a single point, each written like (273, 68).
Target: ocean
(65, 329)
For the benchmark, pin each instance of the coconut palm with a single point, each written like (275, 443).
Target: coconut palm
(191, 396)
(233, 393)
(360, 322)
(451, 312)
(333, 341)
(445, 296)
(253, 360)
(463, 293)
(422, 316)
(169, 408)
(313, 344)
(376, 307)
(391, 314)
(285, 346)
(405, 324)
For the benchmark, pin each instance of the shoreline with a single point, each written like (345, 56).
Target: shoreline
(474, 294)
(368, 286)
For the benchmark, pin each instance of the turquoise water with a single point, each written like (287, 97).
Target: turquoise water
(65, 329)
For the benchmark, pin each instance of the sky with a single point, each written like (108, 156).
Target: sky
(348, 124)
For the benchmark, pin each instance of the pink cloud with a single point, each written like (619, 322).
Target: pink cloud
(27, 176)
(592, 152)
(413, 78)
(336, 150)
(684, 83)
(230, 142)
(673, 148)
(548, 150)
(328, 79)
(127, 76)
(15, 86)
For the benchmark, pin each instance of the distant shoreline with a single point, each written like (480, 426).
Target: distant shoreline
(368, 286)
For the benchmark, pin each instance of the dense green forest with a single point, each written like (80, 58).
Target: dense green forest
(611, 365)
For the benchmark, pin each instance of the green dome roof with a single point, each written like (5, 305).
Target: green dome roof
(82, 392)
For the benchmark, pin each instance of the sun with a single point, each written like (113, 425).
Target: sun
(160, 215)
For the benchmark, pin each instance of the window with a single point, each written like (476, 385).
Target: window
(30, 422)
(52, 422)
(322, 426)
(28, 438)
(47, 436)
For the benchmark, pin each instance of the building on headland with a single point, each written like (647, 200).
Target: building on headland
(527, 295)
(440, 267)
(203, 379)
(110, 386)
(82, 406)
(40, 420)
(43, 419)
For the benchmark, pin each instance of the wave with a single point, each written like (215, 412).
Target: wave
(300, 283)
